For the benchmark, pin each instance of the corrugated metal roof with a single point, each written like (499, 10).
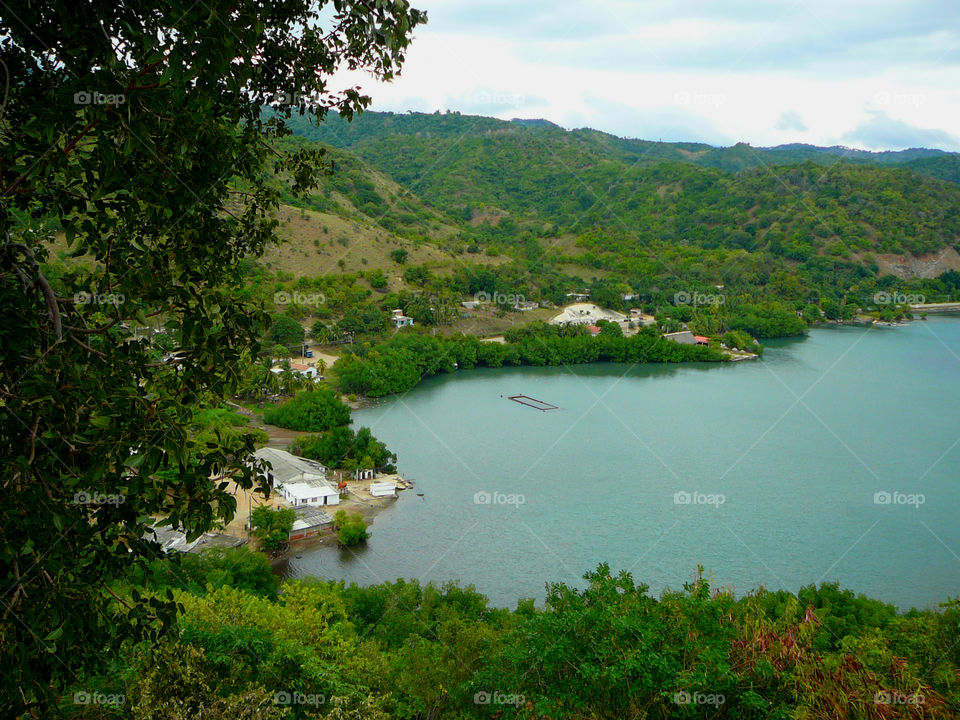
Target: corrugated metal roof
(287, 466)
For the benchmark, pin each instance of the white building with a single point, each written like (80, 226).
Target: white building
(386, 488)
(309, 371)
(298, 480)
(586, 314)
(309, 490)
(400, 320)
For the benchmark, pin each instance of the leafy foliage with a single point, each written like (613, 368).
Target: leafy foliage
(351, 529)
(398, 364)
(603, 648)
(313, 410)
(342, 448)
(136, 133)
(286, 331)
(211, 569)
(272, 526)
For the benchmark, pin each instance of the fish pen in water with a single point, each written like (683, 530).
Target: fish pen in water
(532, 402)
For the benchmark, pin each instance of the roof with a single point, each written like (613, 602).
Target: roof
(683, 336)
(593, 328)
(293, 367)
(701, 338)
(287, 466)
(380, 489)
(309, 516)
(171, 539)
(313, 487)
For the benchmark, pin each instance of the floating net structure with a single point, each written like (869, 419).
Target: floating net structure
(532, 402)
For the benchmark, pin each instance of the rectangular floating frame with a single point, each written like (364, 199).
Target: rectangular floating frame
(532, 402)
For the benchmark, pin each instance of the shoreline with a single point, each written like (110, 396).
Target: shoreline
(370, 507)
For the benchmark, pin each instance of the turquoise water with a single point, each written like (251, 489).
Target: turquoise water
(780, 461)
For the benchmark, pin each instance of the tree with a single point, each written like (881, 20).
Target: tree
(313, 410)
(139, 132)
(351, 529)
(237, 567)
(272, 527)
(286, 331)
(399, 256)
(340, 447)
(177, 682)
(417, 275)
(321, 332)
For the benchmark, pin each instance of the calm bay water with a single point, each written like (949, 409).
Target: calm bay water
(781, 461)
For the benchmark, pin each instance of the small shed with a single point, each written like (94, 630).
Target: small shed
(386, 488)
(310, 522)
(400, 320)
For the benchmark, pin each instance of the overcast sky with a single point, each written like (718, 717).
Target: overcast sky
(872, 74)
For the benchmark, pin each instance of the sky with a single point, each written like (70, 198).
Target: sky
(870, 74)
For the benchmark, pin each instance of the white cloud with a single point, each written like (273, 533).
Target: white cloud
(749, 70)
(791, 120)
(882, 132)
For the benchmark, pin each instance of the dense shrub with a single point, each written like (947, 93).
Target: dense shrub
(399, 363)
(313, 410)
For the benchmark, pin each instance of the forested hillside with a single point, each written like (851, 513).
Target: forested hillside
(795, 224)
(498, 180)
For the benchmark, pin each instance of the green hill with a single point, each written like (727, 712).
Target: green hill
(531, 209)
(496, 180)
